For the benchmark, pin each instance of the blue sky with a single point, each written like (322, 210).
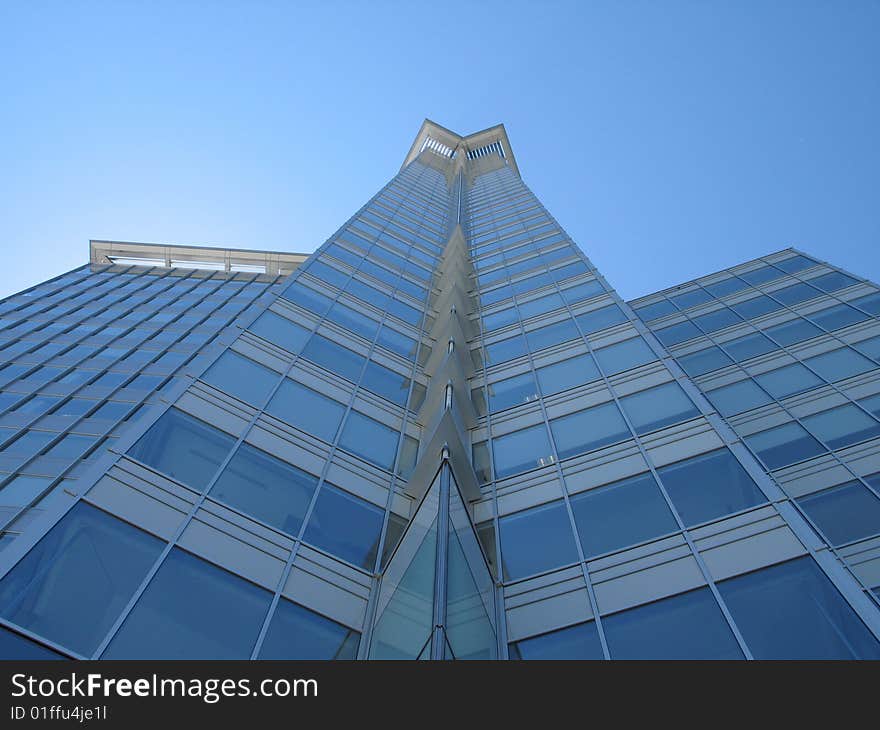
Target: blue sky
(670, 139)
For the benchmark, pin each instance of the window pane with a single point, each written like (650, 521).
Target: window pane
(749, 346)
(624, 513)
(839, 364)
(687, 626)
(280, 330)
(658, 407)
(536, 540)
(575, 642)
(334, 357)
(795, 263)
(838, 316)
(74, 582)
(841, 426)
(542, 305)
(717, 320)
(369, 439)
(690, 299)
(869, 303)
(796, 293)
(512, 392)
(759, 276)
(709, 486)
(552, 334)
(267, 488)
(737, 398)
(655, 310)
(583, 291)
(306, 409)
(497, 320)
(844, 513)
(192, 610)
(599, 319)
(16, 646)
(346, 526)
(833, 281)
(242, 378)
(520, 451)
(677, 333)
(624, 355)
(726, 286)
(385, 382)
(704, 361)
(786, 381)
(578, 433)
(797, 330)
(506, 349)
(297, 633)
(784, 445)
(809, 620)
(183, 447)
(755, 307)
(567, 374)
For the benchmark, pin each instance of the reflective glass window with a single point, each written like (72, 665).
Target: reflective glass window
(76, 580)
(497, 320)
(658, 407)
(542, 305)
(708, 486)
(844, 513)
(267, 488)
(839, 364)
(521, 450)
(183, 447)
(552, 334)
(716, 320)
(726, 286)
(599, 319)
(536, 540)
(690, 299)
(797, 330)
(297, 633)
(508, 349)
(280, 331)
(869, 303)
(575, 642)
(833, 281)
(795, 293)
(373, 441)
(809, 620)
(512, 391)
(759, 276)
(677, 333)
(737, 397)
(795, 263)
(578, 433)
(837, 317)
(621, 514)
(687, 626)
(192, 610)
(345, 525)
(308, 410)
(841, 426)
(16, 646)
(624, 355)
(385, 382)
(242, 377)
(749, 346)
(704, 361)
(784, 445)
(655, 310)
(567, 374)
(788, 380)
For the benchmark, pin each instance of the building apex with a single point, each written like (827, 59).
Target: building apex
(446, 142)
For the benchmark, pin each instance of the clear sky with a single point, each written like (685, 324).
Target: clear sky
(670, 139)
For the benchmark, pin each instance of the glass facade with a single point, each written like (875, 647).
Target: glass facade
(443, 435)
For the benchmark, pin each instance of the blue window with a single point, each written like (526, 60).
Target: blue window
(658, 407)
(795, 263)
(583, 291)
(16, 646)
(708, 486)
(833, 281)
(755, 307)
(690, 299)
(704, 361)
(183, 447)
(369, 439)
(267, 488)
(796, 293)
(837, 317)
(76, 580)
(726, 286)
(624, 355)
(869, 303)
(797, 330)
(521, 450)
(844, 513)
(717, 320)
(536, 540)
(599, 319)
(842, 426)
(567, 374)
(353, 321)
(334, 357)
(242, 378)
(552, 334)
(346, 526)
(395, 341)
(512, 392)
(192, 610)
(307, 298)
(871, 404)
(297, 633)
(869, 347)
(497, 320)
(508, 349)
(759, 276)
(687, 626)
(736, 398)
(839, 364)
(71, 446)
(578, 433)
(281, 331)
(749, 346)
(654, 310)
(809, 620)
(575, 642)
(481, 461)
(385, 382)
(784, 445)
(677, 333)
(788, 380)
(621, 514)
(542, 305)
(306, 409)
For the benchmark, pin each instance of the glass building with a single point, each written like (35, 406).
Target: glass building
(443, 435)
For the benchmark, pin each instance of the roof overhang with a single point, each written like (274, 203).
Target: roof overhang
(432, 131)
